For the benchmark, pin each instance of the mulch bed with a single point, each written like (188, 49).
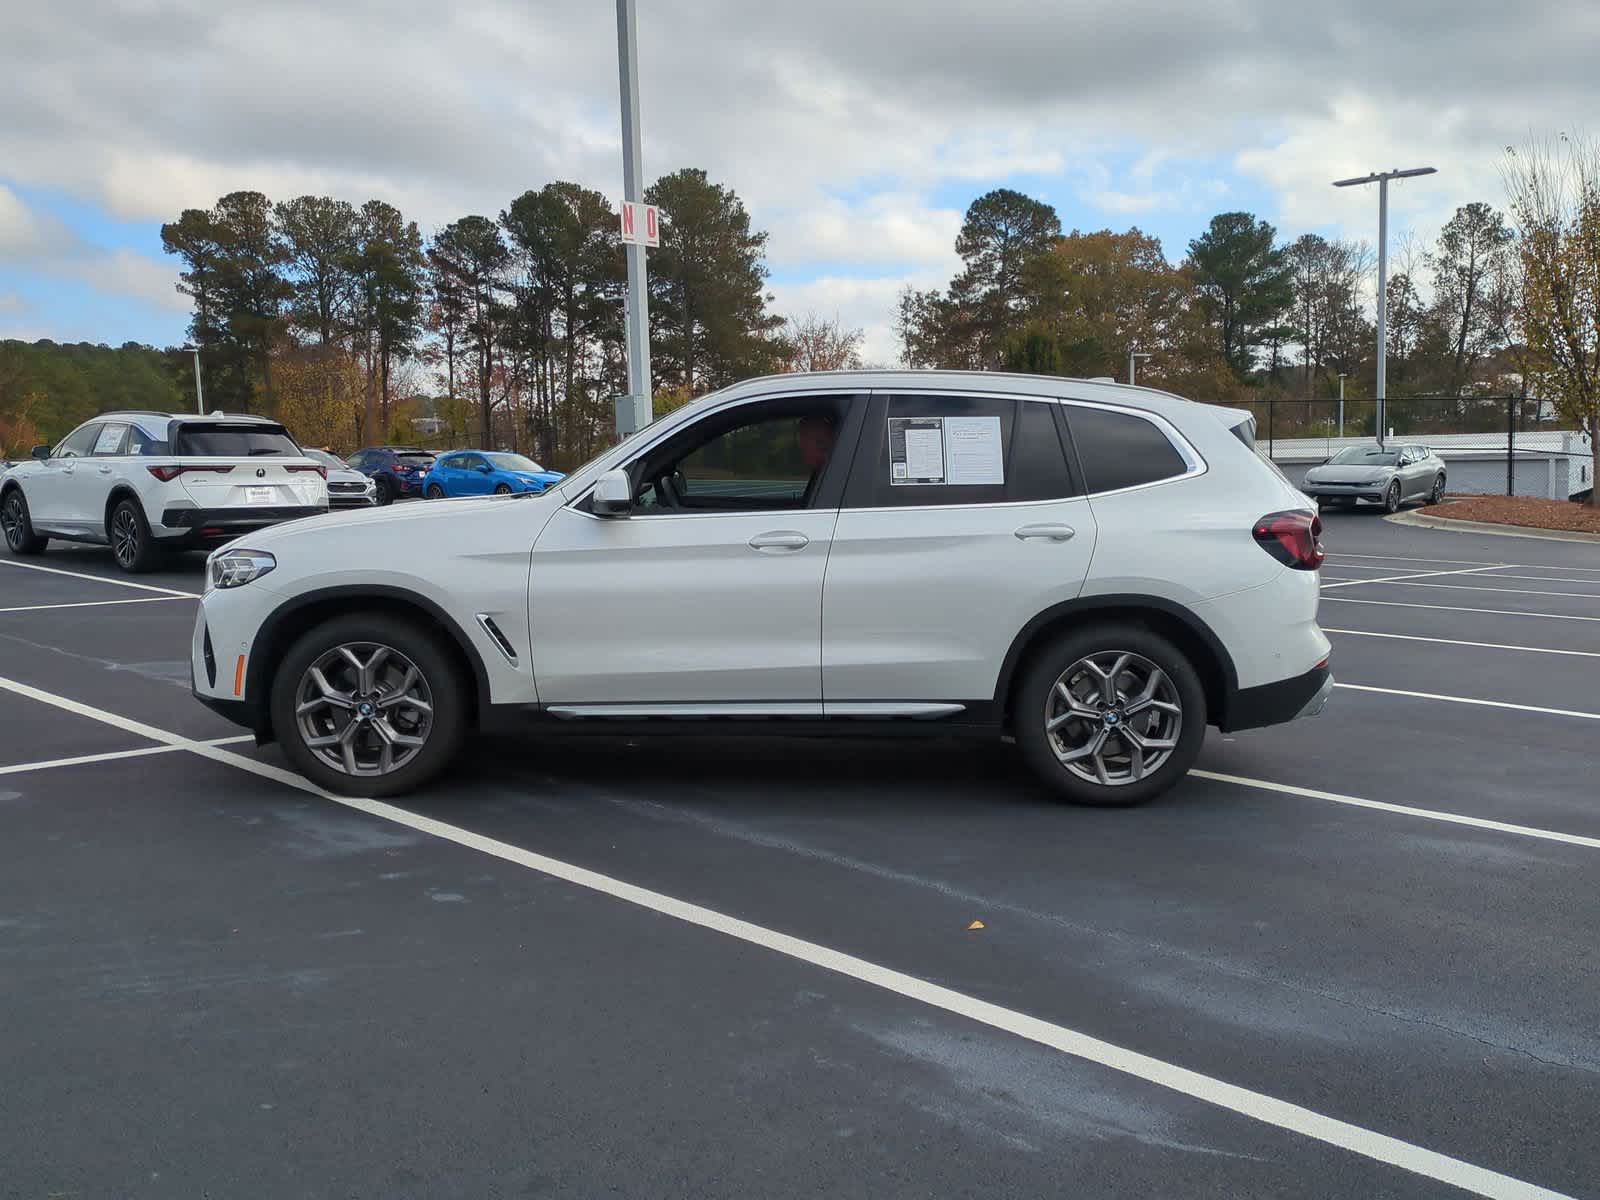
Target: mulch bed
(1521, 510)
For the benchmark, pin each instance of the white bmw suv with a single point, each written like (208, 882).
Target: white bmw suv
(146, 482)
(1096, 571)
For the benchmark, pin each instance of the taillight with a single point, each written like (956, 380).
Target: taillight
(1293, 538)
(323, 471)
(168, 474)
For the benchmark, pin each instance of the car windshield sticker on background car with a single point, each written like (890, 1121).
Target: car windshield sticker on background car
(1034, 572)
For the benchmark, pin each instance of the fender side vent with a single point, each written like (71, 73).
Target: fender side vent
(499, 638)
(210, 659)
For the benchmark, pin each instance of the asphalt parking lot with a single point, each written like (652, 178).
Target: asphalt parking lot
(1354, 956)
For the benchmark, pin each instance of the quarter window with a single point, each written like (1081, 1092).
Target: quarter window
(1120, 450)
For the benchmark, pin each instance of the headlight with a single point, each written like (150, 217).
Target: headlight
(234, 568)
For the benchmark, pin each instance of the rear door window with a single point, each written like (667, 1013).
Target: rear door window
(924, 450)
(111, 439)
(235, 441)
(1121, 449)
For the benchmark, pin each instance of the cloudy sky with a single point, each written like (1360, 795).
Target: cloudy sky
(856, 131)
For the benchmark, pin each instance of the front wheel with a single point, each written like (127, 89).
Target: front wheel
(1436, 496)
(1110, 715)
(502, 489)
(383, 493)
(369, 705)
(18, 526)
(1391, 498)
(131, 543)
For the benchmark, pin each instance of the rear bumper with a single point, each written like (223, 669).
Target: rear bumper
(214, 526)
(1276, 703)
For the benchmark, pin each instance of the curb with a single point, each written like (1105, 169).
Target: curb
(1425, 521)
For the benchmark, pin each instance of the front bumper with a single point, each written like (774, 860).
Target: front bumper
(1352, 492)
(1280, 702)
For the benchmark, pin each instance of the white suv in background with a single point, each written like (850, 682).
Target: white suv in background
(146, 482)
(1098, 571)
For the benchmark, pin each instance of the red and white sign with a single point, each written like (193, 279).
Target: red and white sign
(641, 224)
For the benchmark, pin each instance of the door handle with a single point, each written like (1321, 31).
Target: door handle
(105, 470)
(782, 539)
(1046, 533)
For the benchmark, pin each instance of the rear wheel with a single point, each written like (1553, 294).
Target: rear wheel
(131, 543)
(1110, 715)
(1437, 494)
(1391, 498)
(435, 492)
(385, 495)
(18, 526)
(369, 705)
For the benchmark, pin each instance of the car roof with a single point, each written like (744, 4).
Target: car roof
(1103, 391)
(158, 423)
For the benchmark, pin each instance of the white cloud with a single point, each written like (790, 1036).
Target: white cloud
(856, 303)
(12, 304)
(39, 242)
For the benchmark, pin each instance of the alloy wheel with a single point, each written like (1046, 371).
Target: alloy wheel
(11, 520)
(125, 536)
(364, 708)
(1438, 491)
(1113, 718)
(1391, 498)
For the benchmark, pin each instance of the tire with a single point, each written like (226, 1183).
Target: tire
(1107, 778)
(502, 489)
(129, 534)
(1437, 495)
(439, 686)
(1391, 498)
(435, 492)
(385, 495)
(18, 525)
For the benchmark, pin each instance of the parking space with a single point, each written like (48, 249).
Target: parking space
(694, 967)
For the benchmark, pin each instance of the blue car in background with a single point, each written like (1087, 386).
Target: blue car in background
(485, 473)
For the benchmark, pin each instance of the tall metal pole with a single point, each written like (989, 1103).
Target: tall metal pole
(1381, 178)
(1341, 404)
(1133, 356)
(634, 412)
(199, 393)
(1383, 305)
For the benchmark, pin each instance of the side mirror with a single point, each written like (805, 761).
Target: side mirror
(613, 494)
(40, 452)
(483, 468)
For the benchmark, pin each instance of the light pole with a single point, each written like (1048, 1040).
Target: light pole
(1132, 356)
(1341, 403)
(1381, 178)
(633, 411)
(199, 394)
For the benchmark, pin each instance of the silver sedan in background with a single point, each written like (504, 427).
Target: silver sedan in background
(1389, 475)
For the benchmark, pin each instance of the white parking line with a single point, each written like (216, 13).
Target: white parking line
(93, 603)
(114, 756)
(1401, 578)
(127, 583)
(1412, 637)
(1415, 581)
(1209, 1090)
(1457, 562)
(1494, 612)
(1532, 708)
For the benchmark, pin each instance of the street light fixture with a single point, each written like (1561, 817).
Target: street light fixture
(1381, 178)
(1132, 355)
(199, 395)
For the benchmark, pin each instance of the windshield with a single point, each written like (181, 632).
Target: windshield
(326, 459)
(1365, 456)
(235, 441)
(513, 462)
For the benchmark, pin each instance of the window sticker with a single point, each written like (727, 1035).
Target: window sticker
(108, 439)
(972, 451)
(916, 450)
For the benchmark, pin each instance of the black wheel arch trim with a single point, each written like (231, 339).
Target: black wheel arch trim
(257, 699)
(1119, 601)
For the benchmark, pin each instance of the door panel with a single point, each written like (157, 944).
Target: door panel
(53, 494)
(711, 608)
(922, 603)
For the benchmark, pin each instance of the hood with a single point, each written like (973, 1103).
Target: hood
(423, 522)
(1328, 473)
(545, 478)
(346, 475)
